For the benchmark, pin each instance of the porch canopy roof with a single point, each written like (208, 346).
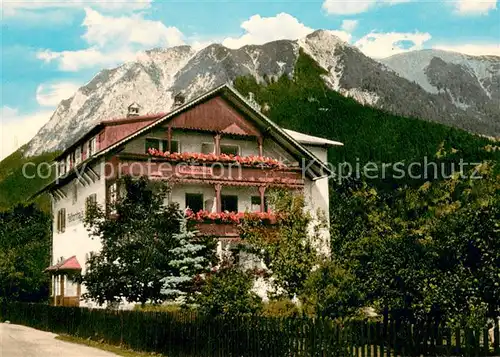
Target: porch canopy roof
(70, 264)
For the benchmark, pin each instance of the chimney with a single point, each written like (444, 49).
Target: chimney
(179, 100)
(133, 110)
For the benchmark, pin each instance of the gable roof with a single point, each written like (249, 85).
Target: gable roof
(96, 129)
(316, 170)
(288, 139)
(69, 264)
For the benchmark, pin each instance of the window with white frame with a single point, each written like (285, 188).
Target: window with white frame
(92, 146)
(161, 145)
(78, 155)
(62, 167)
(68, 163)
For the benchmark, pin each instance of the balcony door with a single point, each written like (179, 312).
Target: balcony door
(229, 203)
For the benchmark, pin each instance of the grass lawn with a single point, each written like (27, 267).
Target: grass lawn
(105, 347)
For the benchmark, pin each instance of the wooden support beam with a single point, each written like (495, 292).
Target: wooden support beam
(169, 137)
(260, 140)
(61, 286)
(218, 202)
(262, 191)
(217, 144)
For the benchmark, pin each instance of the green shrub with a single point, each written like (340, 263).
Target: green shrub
(281, 308)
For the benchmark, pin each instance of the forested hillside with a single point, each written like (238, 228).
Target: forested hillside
(17, 186)
(305, 104)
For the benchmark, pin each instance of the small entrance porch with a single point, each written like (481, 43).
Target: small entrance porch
(65, 290)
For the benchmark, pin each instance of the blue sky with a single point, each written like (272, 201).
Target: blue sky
(51, 48)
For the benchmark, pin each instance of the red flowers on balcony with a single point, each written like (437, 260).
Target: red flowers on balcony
(230, 217)
(254, 161)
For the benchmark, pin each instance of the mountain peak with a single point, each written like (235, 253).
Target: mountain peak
(327, 37)
(158, 74)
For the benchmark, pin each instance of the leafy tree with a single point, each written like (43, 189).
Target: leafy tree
(190, 258)
(25, 233)
(429, 253)
(138, 239)
(331, 290)
(288, 249)
(227, 291)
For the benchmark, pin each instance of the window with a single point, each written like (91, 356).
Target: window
(92, 146)
(229, 203)
(207, 148)
(72, 159)
(90, 201)
(61, 220)
(74, 192)
(78, 155)
(68, 163)
(174, 146)
(230, 149)
(194, 201)
(210, 205)
(152, 144)
(62, 167)
(161, 145)
(84, 151)
(255, 201)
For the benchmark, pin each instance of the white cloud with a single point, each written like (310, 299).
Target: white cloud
(352, 7)
(17, 129)
(113, 40)
(347, 7)
(380, 45)
(72, 61)
(349, 25)
(472, 49)
(118, 31)
(27, 7)
(49, 95)
(474, 7)
(259, 30)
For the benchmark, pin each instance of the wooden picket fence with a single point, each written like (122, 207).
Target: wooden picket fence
(187, 334)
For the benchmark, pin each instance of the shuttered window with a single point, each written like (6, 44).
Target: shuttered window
(90, 201)
(61, 220)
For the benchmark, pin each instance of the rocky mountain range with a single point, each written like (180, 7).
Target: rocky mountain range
(449, 88)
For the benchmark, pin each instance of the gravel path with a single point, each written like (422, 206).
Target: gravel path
(22, 341)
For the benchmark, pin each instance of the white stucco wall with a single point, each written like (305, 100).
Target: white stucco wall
(75, 239)
(316, 194)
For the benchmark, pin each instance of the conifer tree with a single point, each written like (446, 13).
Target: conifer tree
(189, 260)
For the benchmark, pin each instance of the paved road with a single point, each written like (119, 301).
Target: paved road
(21, 341)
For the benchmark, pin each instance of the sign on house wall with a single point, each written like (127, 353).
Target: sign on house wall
(75, 217)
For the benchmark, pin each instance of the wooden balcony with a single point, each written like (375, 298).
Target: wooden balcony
(211, 173)
(218, 230)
